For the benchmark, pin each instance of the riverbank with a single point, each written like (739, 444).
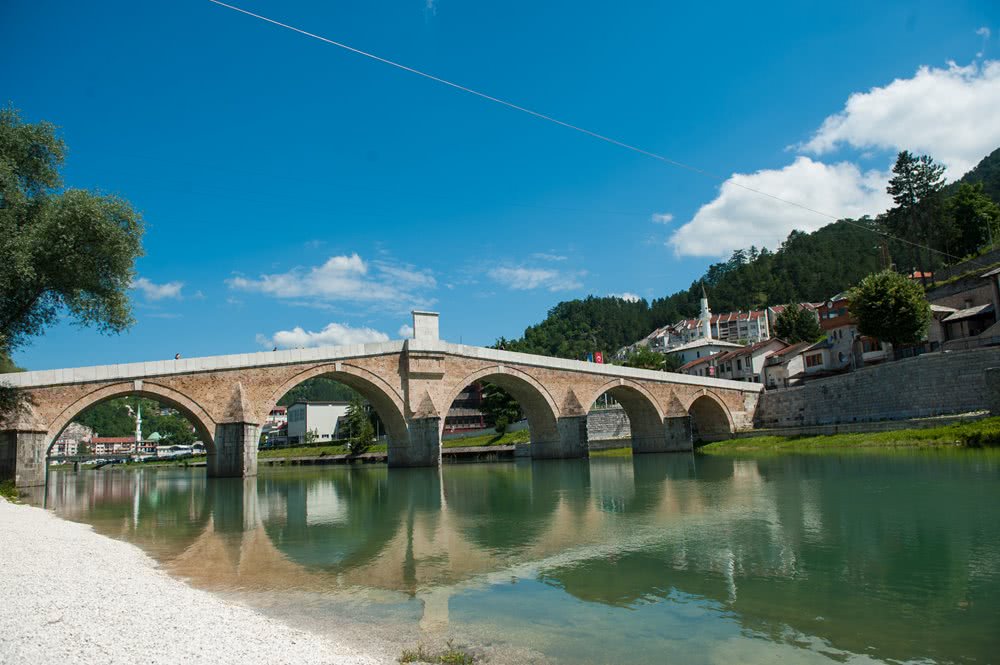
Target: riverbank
(69, 595)
(976, 434)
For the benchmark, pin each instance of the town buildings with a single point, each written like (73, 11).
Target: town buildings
(70, 440)
(464, 414)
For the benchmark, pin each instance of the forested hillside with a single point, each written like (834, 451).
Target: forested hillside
(806, 267)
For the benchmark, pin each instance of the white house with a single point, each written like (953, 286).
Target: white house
(324, 419)
(701, 348)
(746, 363)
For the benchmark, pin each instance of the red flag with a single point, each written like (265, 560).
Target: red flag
(598, 357)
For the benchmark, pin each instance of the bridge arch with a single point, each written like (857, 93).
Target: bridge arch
(534, 399)
(203, 423)
(386, 401)
(710, 417)
(645, 416)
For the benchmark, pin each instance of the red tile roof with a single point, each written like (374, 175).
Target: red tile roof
(113, 439)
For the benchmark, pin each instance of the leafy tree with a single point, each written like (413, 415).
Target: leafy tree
(644, 358)
(110, 418)
(672, 363)
(890, 307)
(974, 216)
(7, 365)
(796, 324)
(499, 407)
(360, 426)
(62, 250)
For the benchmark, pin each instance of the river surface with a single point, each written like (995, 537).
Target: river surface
(654, 559)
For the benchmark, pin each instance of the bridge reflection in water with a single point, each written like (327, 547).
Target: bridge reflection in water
(840, 548)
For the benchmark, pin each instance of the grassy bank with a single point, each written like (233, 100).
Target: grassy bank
(8, 491)
(506, 439)
(977, 434)
(624, 451)
(313, 451)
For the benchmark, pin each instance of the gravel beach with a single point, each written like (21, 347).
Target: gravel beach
(69, 595)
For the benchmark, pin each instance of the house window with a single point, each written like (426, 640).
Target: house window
(739, 364)
(814, 360)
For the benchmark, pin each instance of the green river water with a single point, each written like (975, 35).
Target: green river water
(654, 559)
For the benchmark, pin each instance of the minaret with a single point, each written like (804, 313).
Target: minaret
(138, 426)
(706, 315)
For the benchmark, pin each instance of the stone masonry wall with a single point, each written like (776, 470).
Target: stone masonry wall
(928, 385)
(606, 424)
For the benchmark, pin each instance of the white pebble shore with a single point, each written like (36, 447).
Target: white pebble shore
(69, 595)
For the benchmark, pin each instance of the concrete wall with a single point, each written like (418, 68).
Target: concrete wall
(928, 385)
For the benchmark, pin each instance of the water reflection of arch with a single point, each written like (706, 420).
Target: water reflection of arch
(710, 417)
(645, 416)
(534, 399)
(344, 518)
(505, 508)
(163, 510)
(203, 423)
(385, 399)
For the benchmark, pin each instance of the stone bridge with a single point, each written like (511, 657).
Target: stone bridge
(410, 383)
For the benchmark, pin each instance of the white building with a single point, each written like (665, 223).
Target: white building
(702, 348)
(324, 419)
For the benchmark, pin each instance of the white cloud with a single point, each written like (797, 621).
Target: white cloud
(344, 278)
(153, 291)
(740, 218)
(984, 32)
(626, 296)
(949, 114)
(662, 217)
(524, 279)
(334, 334)
(542, 256)
(405, 331)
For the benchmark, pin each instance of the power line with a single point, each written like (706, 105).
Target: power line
(567, 125)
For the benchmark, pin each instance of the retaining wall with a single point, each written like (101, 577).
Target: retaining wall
(932, 384)
(606, 424)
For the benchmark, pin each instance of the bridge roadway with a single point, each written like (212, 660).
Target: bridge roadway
(410, 383)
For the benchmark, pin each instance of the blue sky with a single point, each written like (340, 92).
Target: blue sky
(299, 194)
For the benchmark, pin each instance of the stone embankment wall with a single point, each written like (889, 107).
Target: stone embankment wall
(929, 385)
(974, 265)
(606, 424)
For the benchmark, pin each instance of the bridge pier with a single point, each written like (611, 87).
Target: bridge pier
(235, 451)
(423, 447)
(572, 442)
(22, 457)
(675, 437)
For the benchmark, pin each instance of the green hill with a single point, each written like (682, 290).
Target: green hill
(807, 267)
